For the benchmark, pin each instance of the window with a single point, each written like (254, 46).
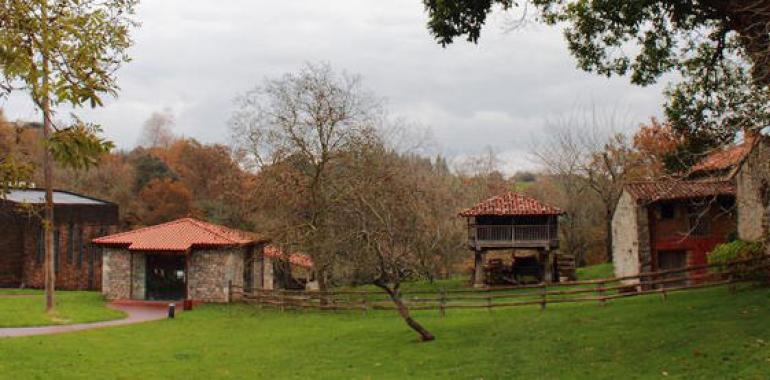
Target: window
(700, 224)
(667, 211)
(71, 243)
(40, 245)
(56, 252)
(81, 246)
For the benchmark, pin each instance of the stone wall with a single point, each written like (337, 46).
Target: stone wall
(209, 273)
(753, 185)
(625, 243)
(116, 272)
(643, 239)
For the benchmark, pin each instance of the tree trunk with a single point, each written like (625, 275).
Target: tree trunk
(608, 237)
(403, 311)
(322, 286)
(48, 218)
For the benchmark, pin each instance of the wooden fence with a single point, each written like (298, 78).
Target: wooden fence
(598, 291)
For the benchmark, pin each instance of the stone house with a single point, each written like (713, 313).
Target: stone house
(650, 224)
(670, 224)
(185, 259)
(77, 219)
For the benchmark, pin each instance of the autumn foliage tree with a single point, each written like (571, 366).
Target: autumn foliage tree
(165, 200)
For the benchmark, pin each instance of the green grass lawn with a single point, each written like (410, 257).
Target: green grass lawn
(594, 272)
(22, 308)
(19, 292)
(699, 334)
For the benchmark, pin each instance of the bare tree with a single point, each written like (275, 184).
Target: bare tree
(584, 152)
(156, 131)
(303, 123)
(401, 220)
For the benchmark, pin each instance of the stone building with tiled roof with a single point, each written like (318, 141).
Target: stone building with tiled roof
(670, 224)
(187, 259)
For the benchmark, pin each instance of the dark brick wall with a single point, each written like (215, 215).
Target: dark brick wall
(79, 264)
(11, 252)
(77, 269)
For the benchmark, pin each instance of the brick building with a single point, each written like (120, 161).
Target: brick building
(186, 259)
(77, 219)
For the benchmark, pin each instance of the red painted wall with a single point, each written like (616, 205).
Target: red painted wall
(674, 234)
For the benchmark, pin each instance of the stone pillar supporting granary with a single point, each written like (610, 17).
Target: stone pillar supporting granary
(192, 260)
(517, 223)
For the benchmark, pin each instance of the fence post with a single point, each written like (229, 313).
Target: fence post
(543, 296)
(600, 292)
(281, 299)
(229, 291)
(442, 305)
(732, 288)
(489, 302)
(663, 294)
(363, 302)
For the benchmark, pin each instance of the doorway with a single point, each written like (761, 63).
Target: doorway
(669, 260)
(166, 277)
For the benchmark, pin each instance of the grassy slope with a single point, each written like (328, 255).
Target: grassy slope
(71, 307)
(596, 271)
(701, 334)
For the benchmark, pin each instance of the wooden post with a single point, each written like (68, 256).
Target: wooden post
(363, 302)
(442, 305)
(548, 267)
(600, 292)
(478, 274)
(663, 294)
(281, 299)
(544, 296)
(229, 291)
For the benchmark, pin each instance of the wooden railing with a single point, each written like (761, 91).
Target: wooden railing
(483, 232)
(600, 291)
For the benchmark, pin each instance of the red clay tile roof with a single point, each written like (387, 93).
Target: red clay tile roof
(670, 190)
(510, 204)
(179, 236)
(724, 159)
(298, 259)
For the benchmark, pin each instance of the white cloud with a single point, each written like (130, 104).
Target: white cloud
(194, 57)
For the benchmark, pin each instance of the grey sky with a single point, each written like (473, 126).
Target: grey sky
(194, 57)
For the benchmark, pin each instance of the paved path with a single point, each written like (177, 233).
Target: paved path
(136, 314)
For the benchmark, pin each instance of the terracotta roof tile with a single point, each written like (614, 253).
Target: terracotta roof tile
(511, 204)
(298, 259)
(673, 189)
(723, 159)
(179, 236)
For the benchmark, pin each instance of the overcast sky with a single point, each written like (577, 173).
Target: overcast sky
(194, 57)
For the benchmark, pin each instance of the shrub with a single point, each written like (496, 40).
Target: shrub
(739, 250)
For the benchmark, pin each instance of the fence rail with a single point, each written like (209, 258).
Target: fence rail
(599, 291)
